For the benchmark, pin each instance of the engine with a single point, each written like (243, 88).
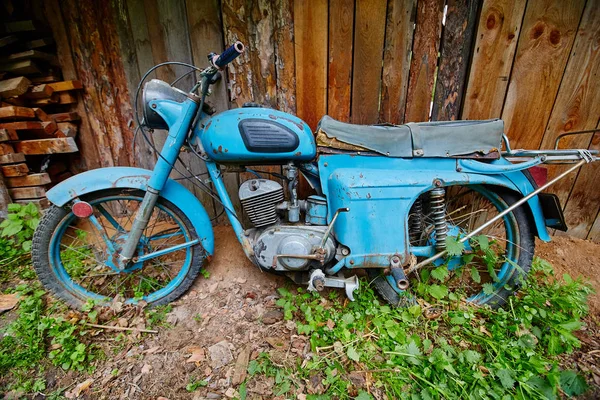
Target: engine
(260, 197)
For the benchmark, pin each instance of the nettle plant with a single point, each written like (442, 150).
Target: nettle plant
(19, 225)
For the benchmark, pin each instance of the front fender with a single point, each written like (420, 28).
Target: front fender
(136, 178)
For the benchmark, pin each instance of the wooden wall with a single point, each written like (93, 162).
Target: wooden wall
(534, 63)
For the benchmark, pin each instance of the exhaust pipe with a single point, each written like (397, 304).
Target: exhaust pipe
(398, 274)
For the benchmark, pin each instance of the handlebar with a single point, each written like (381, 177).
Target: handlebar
(230, 54)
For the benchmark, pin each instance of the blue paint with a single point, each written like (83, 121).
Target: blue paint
(496, 167)
(222, 139)
(316, 210)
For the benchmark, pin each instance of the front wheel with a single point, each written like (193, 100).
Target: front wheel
(494, 263)
(74, 257)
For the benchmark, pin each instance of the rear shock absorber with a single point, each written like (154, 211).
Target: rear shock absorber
(415, 222)
(437, 206)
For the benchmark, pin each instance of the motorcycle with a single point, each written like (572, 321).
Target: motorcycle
(400, 202)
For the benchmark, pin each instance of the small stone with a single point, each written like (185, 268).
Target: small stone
(220, 354)
(212, 395)
(123, 322)
(271, 317)
(357, 379)
(231, 393)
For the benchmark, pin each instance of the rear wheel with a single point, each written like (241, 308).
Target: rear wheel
(74, 257)
(494, 263)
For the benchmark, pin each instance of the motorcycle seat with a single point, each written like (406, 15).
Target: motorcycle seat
(463, 139)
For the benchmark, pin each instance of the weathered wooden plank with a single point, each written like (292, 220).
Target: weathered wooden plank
(39, 91)
(33, 55)
(41, 115)
(577, 105)
(5, 199)
(369, 32)
(6, 149)
(22, 26)
(581, 209)
(10, 171)
(46, 146)
(38, 43)
(65, 86)
(341, 31)
(547, 36)
(27, 193)
(28, 180)
(595, 231)
(45, 79)
(396, 60)
(25, 67)
(14, 87)
(8, 134)
(47, 128)
(11, 158)
(310, 29)
(66, 129)
(284, 55)
(16, 112)
(65, 117)
(66, 98)
(455, 53)
(494, 50)
(424, 59)
(206, 36)
(90, 156)
(7, 40)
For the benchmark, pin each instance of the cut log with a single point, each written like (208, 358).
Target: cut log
(5, 41)
(6, 148)
(28, 180)
(10, 171)
(32, 126)
(16, 101)
(46, 79)
(8, 134)
(12, 158)
(66, 98)
(68, 129)
(41, 115)
(37, 43)
(25, 67)
(66, 85)
(16, 112)
(54, 99)
(14, 87)
(42, 91)
(56, 168)
(42, 203)
(64, 117)
(35, 55)
(27, 193)
(46, 146)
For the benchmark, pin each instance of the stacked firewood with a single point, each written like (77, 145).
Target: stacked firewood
(37, 122)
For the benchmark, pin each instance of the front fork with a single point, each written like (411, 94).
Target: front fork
(178, 131)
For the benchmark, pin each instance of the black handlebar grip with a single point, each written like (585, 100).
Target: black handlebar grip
(229, 55)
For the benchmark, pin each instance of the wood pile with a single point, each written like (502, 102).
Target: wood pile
(37, 123)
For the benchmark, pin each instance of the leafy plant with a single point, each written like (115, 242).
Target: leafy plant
(195, 383)
(20, 224)
(450, 351)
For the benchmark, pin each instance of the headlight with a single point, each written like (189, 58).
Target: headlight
(159, 90)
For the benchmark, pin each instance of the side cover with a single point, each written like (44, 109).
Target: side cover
(136, 178)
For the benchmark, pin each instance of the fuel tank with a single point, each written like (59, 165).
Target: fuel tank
(256, 135)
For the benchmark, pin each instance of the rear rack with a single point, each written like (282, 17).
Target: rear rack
(556, 156)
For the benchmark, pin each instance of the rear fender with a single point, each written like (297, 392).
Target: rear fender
(136, 178)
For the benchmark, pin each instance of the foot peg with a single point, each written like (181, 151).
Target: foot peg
(398, 274)
(318, 281)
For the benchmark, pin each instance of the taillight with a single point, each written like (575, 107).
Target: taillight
(539, 175)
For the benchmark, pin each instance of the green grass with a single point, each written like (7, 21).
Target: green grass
(441, 350)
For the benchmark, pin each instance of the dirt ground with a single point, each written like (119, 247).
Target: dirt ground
(224, 321)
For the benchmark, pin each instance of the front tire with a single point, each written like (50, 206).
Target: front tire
(70, 258)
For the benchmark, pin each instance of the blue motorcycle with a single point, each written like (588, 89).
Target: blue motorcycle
(400, 202)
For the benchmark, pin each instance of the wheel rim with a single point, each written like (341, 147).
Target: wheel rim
(73, 253)
(506, 270)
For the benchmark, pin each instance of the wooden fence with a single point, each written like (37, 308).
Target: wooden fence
(534, 63)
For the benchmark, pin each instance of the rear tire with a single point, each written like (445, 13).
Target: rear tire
(526, 244)
(49, 275)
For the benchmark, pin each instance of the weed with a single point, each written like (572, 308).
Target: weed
(198, 317)
(458, 351)
(195, 383)
(157, 316)
(205, 273)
